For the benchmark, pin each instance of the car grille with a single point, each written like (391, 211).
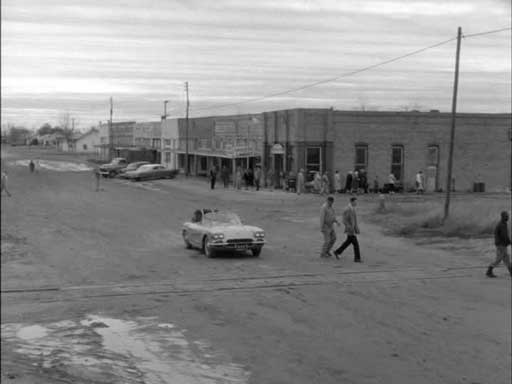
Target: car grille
(239, 241)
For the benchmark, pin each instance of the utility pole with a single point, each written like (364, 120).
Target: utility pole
(164, 117)
(452, 132)
(186, 133)
(110, 134)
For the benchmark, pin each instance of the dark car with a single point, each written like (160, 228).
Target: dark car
(151, 172)
(132, 167)
(111, 169)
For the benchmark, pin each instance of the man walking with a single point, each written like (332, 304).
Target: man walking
(351, 229)
(327, 221)
(4, 184)
(419, 183)
(502, 241)
(337, 182)
(224, 173)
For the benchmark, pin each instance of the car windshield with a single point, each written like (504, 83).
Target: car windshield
(146, 167)
(221, 218)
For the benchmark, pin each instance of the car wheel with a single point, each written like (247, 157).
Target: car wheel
(187, 243)
(256, 251)
(111, 174)
(137, 179)
(207, 249)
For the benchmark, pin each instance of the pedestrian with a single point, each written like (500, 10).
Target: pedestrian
(391, 183)
(31, 166)
(4, 184)
(502, 241)
(282, 180)
(363, 180)
(337, 182)
(300, 181)
(327, 221)
(351, 229)
(97, 175)
(317, 182)
(325, 184)
(270, 179)
(376, 184)
(419, 183)
(246, 178)
(213, 176)
(224, 174)
(37, 165)
(238, 178)
(348, 182)
(355, 182)
(257, 177)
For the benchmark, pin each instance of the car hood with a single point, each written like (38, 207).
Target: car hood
(235, 231)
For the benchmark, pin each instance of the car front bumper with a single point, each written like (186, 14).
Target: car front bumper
(223, 245)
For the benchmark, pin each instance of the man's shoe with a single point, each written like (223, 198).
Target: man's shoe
(337, 255)
(489, 273)
(358, 261)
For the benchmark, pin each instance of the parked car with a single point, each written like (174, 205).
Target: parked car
(150, 172)
(132, 167)
(212, 231)
(111, 169)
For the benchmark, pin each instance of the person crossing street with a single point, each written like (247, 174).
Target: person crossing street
(351, 229)
(327, 221)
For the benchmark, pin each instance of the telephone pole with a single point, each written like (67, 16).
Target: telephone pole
(110, 134)
(452, 131)
(186, 132)
(164, 117)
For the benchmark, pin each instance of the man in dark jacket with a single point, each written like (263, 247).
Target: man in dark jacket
(502, 241)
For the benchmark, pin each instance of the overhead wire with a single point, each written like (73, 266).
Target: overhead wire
(351, 73)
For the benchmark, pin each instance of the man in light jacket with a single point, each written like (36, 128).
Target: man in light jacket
(351, 229)
(327, 221)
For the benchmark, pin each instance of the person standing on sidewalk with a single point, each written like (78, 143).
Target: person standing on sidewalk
(213, 176)
(224, 174)
(300, 181)
(502, 241)
(257, 177)
(337, 182)
(4, 184)
(238, 178)
(270, 179)
(351, 229)
(327, 221)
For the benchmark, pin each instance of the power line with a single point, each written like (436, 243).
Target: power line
(487, 32)
(364, 69)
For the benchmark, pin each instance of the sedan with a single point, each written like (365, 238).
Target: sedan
(212, 231)
(132, 167)
(150, 172)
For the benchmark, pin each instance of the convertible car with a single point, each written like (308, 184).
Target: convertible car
(150, 172)
(213, 231)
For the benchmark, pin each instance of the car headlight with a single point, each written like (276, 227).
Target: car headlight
(259, 235)
(218, 236)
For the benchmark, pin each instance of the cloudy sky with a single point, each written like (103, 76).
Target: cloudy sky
(68, 56)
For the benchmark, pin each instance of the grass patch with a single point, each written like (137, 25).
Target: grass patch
(471, 217)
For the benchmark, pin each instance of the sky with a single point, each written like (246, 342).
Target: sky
(69, 57)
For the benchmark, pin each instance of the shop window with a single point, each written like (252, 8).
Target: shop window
(167, 142)
(167, 157)
(313, 159)
(397, 161)
(361, 160)
(433, 155)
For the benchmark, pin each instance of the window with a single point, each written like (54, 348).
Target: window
(313, 159)
(85, 147)
(361, 157)
(433, 155)
(167, 157)
(156, 143)
(397, 161)
(167, 142)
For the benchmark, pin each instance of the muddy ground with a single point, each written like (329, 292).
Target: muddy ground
(97, 287)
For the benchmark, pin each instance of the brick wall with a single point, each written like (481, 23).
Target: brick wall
(482, 149)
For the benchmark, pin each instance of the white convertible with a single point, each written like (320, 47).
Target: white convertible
(213, 231)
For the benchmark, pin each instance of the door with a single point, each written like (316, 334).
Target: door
(432, 167)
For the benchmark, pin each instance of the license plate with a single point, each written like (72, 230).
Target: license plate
(241, 246)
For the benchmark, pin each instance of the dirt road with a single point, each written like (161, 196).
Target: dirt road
(97, 287)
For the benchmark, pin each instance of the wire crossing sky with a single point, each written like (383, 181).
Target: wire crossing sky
(240, 56)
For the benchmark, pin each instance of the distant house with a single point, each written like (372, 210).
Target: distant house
(88, 142)
(67, 144)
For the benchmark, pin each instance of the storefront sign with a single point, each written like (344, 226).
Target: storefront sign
(277, 149)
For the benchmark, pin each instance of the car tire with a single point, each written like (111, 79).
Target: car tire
(256, 251)
(111, 174)
(207, 250)
(137, 179)
(187, 243)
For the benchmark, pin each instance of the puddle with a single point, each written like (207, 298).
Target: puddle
(59, 166)
(115, 350)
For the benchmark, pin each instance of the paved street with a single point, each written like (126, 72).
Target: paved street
(98, 287)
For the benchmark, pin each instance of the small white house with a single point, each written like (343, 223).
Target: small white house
(88, 142)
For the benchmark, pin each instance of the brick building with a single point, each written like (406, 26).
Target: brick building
(321, 140)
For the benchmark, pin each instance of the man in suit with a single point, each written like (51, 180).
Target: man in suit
(327, 221)
(351, 229)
